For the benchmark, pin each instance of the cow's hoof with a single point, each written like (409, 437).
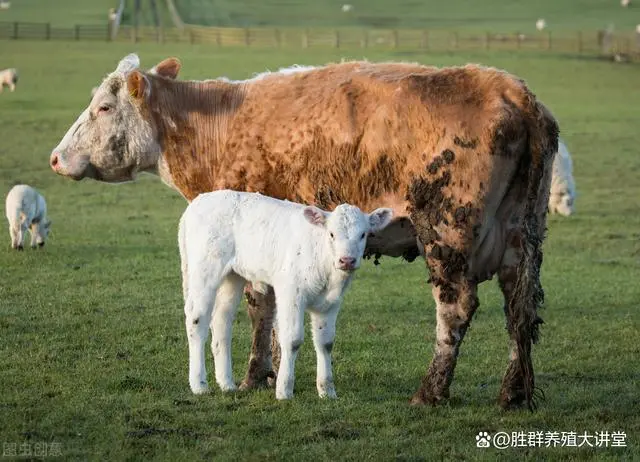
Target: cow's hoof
(423, 397)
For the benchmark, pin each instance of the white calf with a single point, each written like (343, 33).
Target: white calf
(308, 255)
(9, 78)
(563, 188)
(26, 209)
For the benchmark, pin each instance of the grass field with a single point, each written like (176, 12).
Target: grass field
(59, 12)
(93, 354)
(491, 15)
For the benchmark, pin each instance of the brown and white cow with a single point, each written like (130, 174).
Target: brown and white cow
(462, 154)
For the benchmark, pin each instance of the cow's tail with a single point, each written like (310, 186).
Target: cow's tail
(528, 294)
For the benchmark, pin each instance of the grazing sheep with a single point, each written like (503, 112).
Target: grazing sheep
(563, 189)
(8, 78)
(541, 24)
(26, 209)
(306, 254)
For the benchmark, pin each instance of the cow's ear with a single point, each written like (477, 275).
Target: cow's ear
(136, 84)
(168, 68)
(380, 218)
(315, 216)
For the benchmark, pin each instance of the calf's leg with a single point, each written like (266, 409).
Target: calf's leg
(198, 309)
(290, 322)
(224, 312)
(323, 325)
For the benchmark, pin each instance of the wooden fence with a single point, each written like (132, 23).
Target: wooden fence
(627, 45)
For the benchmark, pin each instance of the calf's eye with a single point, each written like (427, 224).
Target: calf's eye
(331, 235)
(104, 109)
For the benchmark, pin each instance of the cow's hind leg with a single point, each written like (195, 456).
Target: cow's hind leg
(261, 309)
(455, 304)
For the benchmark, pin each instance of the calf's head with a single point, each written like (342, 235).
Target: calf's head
(561, 202)
(41, 230)
(346, 230)
(114, 138)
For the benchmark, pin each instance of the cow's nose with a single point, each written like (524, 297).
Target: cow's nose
(54, 161)
(347, 261)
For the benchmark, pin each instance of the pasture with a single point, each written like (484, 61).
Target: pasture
(495, 15)
(93, 352)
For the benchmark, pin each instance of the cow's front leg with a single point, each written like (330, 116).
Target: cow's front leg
(261, 309)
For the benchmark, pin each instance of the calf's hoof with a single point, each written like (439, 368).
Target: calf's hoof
(228, 387)
(41, 244)
(200, 388)
(284, 395)
(328, 394)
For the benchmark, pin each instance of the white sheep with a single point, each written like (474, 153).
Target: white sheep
(563, 188)
(25, 208)
(308, 255)
(8, 78)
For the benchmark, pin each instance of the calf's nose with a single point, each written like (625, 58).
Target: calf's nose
(347, 261)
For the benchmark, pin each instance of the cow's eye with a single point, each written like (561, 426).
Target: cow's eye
(103, 109)
(331, 235)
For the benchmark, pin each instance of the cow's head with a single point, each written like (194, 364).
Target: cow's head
(114, 138)
(346, 229)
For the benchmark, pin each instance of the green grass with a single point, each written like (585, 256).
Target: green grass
(59, 12)
(493, 15)
(93, 354)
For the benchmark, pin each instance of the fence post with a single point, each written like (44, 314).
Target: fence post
(305, 39)
(47, 31)
(365, 39)
(425, 40)
(394, 38)
(487, 43)
(518, 41)
(549, 40)
(278, 38)
(77, 32)
(336, 40)
(580, 42)
(15, 30)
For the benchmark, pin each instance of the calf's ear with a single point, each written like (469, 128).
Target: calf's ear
(380, 218)
(315, 216)
(168, 68)
(137, 84)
